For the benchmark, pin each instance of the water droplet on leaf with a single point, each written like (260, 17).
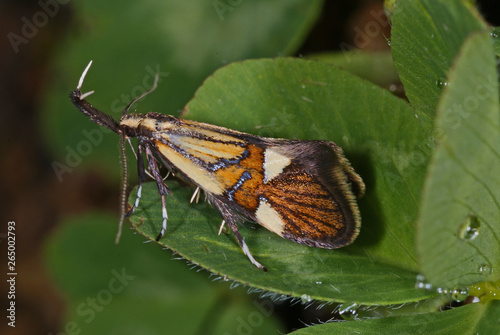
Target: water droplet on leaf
(459, 293)
(485, 291)
(305, 298)
(485, 269)
(441, 290)
(422, 283)
(469, 229)
(494, 33)
(349, 311)
(441, 83)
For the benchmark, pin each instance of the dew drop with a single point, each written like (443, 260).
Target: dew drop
(494, 33)
(349, 311)
(319, 283)
(441, 290)
(305, 298)
(485, 269)
(422, 283)
(441, 83)
(389, 42)
(419, 283)
(459, 293)
(485, 291)
(469, 229)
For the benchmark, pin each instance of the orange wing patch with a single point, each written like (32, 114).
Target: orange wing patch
(243, 179)
(309, 212)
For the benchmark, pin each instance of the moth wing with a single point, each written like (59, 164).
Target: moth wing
(311, 201)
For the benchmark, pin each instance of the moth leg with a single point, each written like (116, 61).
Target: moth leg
(142, 178)
(195, 196)
(162, 189)
(230, 219)
(221, 227)
(244, 246)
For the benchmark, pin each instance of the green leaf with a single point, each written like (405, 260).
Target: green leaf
(104, 282)
(462, 191)
(470, 319)
(377, 67)
(426, 36)
(496, 38)
(130, 41)
(294, 98)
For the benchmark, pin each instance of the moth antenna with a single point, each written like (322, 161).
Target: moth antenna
(80, 82)
(82, 77)
(123, 198)
(155, 84)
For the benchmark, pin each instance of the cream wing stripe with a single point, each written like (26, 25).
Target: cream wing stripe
(274, 163)
(269, 218)
(204, 179)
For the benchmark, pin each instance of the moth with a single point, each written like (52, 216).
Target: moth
(302, 190)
